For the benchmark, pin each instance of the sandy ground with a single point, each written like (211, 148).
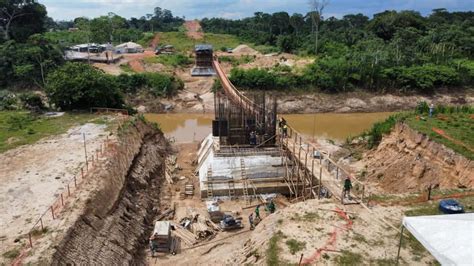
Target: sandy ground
(32, 177)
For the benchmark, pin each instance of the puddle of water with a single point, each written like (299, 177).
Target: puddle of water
(195, 127)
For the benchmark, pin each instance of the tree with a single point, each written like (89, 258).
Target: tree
(21, 18)
(81, 86)
(297, 22)
(316, 14)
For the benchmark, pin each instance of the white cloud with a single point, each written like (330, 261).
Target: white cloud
(63, 9)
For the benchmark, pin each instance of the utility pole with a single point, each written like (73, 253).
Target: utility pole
(85, 150)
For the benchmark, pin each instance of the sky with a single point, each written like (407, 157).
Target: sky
(234, 9)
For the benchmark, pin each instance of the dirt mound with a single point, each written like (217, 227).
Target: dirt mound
(245, 49)
(407, 161)
(115, 225)
(324, 234)
(194, 29)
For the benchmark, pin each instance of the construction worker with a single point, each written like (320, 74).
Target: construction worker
(271, 206)
(285, 130)
(257, 212)
(252, 226)
(347, 187)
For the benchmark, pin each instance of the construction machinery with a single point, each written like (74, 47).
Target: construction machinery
(231, 223)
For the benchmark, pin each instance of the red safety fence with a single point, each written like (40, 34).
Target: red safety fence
(331, 241)
(107, 149)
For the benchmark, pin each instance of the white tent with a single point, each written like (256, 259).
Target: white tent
(449, 238)
(129, 47)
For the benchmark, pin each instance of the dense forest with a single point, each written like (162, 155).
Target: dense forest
(393, 50)
(31, 57)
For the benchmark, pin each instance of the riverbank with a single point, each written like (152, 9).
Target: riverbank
(198, 98)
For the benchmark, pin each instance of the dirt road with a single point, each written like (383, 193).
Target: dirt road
(194, 30)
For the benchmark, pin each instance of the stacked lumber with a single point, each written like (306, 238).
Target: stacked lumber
(189, 189)
(186, 236)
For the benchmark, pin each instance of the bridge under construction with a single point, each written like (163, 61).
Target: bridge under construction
(247, 156)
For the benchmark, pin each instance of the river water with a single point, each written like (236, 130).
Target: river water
(335, 126)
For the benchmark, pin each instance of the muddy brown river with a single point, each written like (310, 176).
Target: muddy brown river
(335, 126)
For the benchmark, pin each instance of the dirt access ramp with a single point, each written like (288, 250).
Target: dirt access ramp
(194, 29)
(32, 176)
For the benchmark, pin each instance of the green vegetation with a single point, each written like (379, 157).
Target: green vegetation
(337, 75)
(379, 129)
(307, 217)
(349, 258)
(175, 60)
(451, 126)
(236, 61)
(19, 128)
(38, 232)
(393, 51)
(126, 68)
(456, 125)
(160, 85)
(11, 254)
(295, 245)
(273, 249)
(430, 209)
(79, 86)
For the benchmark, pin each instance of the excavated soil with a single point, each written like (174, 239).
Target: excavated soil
(118, 218)
(407, 161)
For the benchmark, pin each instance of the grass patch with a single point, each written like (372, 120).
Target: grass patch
(265, 49)
(360, 238)
(126, 68)
(307, 217)
(295, 245)
(146, 39)
(236, 61)
(39, 232)
(11, 254)
(458, 126)
(19, 128)
(273, 249)
(349, 258)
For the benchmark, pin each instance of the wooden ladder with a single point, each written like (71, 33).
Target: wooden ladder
(243, 175)
(231, 188)
(210, 192)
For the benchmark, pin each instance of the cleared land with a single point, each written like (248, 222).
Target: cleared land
(454, 130)
(32, 176)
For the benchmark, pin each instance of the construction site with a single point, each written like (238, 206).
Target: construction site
(253, 190)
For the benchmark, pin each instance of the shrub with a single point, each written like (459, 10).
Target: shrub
(31, 101)
(422, 78)
(80, 86)
(295, 245)
(8, 100)
(379, 129)
(158, 84)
